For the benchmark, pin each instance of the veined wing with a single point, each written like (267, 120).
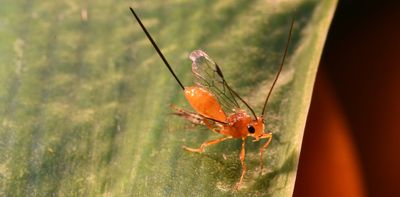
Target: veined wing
(209, 76)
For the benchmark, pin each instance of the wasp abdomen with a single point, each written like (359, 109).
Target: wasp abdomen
(204, 103)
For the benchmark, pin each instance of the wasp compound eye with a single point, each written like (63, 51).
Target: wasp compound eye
(251, 129)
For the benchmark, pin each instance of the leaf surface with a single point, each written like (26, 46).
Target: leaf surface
(84, 98)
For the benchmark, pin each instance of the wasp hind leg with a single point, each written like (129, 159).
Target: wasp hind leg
(192, 117)
(205, 144)
(196, 119)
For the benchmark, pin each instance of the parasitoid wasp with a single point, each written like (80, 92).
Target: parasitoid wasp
(216, 103)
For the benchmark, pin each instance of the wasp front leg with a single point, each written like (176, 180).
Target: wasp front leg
(205, 144)
(244, 169)
(269, 136)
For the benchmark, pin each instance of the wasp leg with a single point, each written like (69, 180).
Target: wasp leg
(205, 144)
(196, 119)
(192, 117)
(269, 136)
(244, 169)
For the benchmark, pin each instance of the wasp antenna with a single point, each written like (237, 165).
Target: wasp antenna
(280, 68)
(156, 47)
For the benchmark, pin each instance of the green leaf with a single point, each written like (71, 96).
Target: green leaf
(84, 99)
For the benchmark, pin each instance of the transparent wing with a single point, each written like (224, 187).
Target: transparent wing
(209, 76)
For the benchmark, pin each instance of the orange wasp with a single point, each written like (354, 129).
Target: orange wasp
(216, 104)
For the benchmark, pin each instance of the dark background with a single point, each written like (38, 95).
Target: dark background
(351, 144)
